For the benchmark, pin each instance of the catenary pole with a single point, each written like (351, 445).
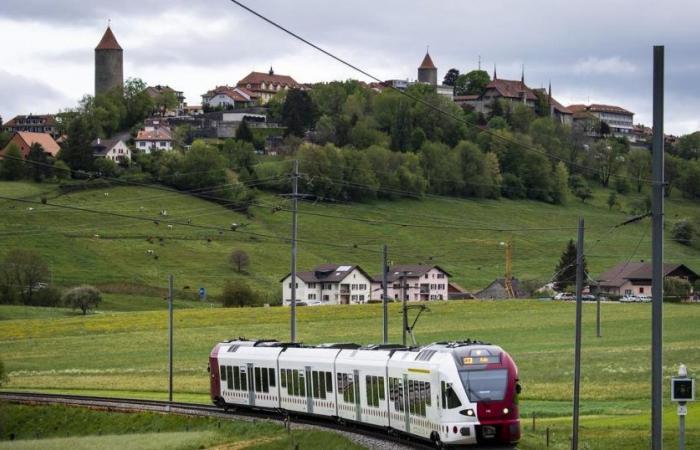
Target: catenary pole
(385, 297)
(657, 252)
(597, 316)
(577, 342)
(293, 306)
(404, 309)
(170, 338)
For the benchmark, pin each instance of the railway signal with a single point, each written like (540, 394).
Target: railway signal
(682, 391)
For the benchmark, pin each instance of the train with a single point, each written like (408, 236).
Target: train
(447, 393)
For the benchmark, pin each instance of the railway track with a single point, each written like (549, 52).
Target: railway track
(370, 438)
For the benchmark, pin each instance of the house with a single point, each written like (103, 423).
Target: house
(149, 140)
(43, 123)
(114, 149)
(619, 120)
(266, 85)
(497, 290)
(634, 278)
(24, 140)
(330, 284)
(227, 97)
(156, 91)
(421, 282)
(457, 292)
(193, 110)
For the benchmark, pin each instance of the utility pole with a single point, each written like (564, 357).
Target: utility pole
(404, 309)
(170, 338)
(577, 342)
(385, 296)
(657, 253)
(597, 316)
(295, 192)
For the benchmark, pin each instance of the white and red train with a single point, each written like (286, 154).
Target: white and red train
(450, 393)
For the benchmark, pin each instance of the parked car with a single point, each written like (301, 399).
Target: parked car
(564, 296)
(630, 299)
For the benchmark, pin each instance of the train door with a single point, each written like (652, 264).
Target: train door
(309, 397)
(251, 385)
(356, 387)
(406, 404)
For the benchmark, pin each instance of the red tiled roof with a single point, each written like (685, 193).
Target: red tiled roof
(44, 139)
(257, 78)
(511, 88)
(427, 62)
(158, 134)
(233, 92)
(464, 98)
(108, 42)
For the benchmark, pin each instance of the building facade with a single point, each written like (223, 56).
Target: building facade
(619, 120)
(266, 85)
(115, 149)
(24, 141)
(43, 123)
(109, 64)
(634, 278)
(153, 139)
(228, 97)
(329, 284)
(416, 282)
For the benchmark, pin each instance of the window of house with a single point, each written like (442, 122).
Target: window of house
(354, 298)
(362, 298)
(641, 290)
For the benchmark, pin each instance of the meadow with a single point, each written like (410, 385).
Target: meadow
(462, 236)
(125, 354)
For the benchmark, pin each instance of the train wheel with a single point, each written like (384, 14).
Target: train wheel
(435, 437)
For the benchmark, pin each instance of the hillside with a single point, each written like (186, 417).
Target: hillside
(83, 247)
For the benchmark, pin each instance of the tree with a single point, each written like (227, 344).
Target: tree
(583, 192)
(297, 112)
(238, 293)
(560, 186)
(241, 155)
(325, 130)
(22, 273)
(688, 146)
(137, 102)
(239, 259)
(683, 232)
(565, 272)
(12, 164)
(472, 83)
(639, 166)
(612, 200)
(166, 101)
(41, 167)
(608, 157)
(450, 77)
(243, 132)
(61, 170)
(676, 289)
(76, 151)
(401, 128)
(84, 297)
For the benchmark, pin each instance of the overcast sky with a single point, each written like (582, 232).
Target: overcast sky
(596, 51)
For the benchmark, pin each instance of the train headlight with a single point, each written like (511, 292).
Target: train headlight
(467, 412)
(506, 410)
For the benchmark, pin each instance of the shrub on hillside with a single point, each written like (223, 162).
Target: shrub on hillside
(47, 296)
(683, 232)
(676, 289)
(238, 293)
(84, 298)
(22, 274)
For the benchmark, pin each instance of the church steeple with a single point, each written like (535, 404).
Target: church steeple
(494, 72)
(522, 75)
(271, 72)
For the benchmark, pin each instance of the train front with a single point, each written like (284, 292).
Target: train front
(489, 377)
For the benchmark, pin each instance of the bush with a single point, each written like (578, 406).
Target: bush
(238, 293)
(84, 298)
(61, 170)
(683, 232)
(676, 289)
(621, 186)
(48, 296)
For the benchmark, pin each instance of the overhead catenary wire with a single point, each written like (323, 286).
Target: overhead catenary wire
(422, 101)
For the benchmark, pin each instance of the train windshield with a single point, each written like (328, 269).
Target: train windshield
(484, 385)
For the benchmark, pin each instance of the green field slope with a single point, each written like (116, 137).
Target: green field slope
(460, 235)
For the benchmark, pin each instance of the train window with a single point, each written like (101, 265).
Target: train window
(283, 378)
(349, 393)
(381, 388)
(258, 380)
(411, 397)
(272, 377)
(290, 382)
(396, 393)
(322, 384)
(368, 391)
(244, 380)
(236, 375)
(421, 403)
(302, 384)
(265, 381)
(329, 382)
(295, 378)
(340, 383)
(229, 383)
(222, 372)
(427, 394)
(314, 376)
(449, 397)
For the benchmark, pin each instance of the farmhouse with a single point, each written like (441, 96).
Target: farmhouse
(421, 283)
(114, 149)
(329, 284)
(634, 278)
(149, 140)
(24, 140)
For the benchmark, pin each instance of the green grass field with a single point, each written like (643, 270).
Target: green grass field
(111, 252)
(70, 428)
(125, 354)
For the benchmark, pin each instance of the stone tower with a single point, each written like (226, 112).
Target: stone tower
(109, 66)
(427, 72)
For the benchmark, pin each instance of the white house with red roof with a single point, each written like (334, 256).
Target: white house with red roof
(228, 97)
(417, 282)
(329, 284)
(153, 139)
(619, 120)
(266, 85)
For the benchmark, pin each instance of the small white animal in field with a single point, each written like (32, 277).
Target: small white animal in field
(149, 252)
(106, 194)
(170, 227)
(30, 209)
(96, 236)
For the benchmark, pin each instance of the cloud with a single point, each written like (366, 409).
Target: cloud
(613, 65)
(20, 94)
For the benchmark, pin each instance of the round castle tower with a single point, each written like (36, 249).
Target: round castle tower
(427, 72)
(109, 65)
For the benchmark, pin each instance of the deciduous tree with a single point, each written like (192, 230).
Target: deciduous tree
(22, 273)
(239, 260)
(12, 167)
(84, 298)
